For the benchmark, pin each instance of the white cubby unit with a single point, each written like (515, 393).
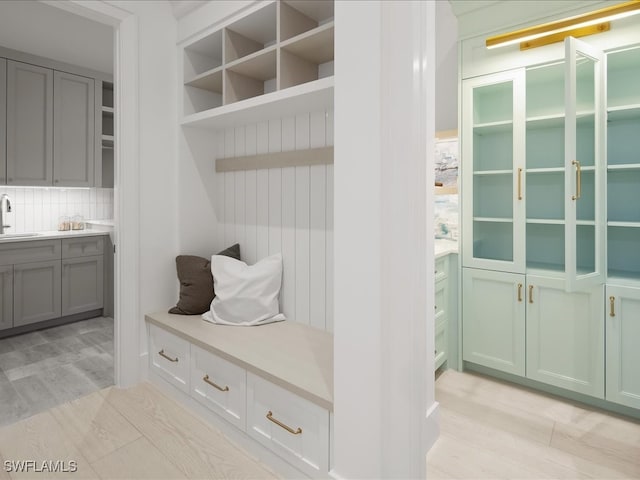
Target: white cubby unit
(274, 59)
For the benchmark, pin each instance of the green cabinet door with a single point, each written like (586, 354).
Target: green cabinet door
(493, 320)
(565, 344)
(622, 321)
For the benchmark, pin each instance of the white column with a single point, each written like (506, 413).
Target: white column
(384, 325)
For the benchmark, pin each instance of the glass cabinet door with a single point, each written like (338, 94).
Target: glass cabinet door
(584, 165)
(492, 172)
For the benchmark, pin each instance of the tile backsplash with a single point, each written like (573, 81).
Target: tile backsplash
(37, 209)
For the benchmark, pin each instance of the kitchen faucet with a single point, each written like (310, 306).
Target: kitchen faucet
(5, 207)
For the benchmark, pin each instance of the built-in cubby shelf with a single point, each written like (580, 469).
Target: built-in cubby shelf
(274, 48)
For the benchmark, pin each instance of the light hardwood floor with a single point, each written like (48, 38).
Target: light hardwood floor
(136, 433)
(494, 430)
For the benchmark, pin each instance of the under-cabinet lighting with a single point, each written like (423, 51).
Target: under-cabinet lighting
(579, 25)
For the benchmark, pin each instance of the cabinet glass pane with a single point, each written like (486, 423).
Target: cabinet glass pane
(585, 248)
(586, 204)
(493, 148)
(623, 193)
(545, 90)
(585, 135)
(623, 256)
(585, 85)
(623, 78)
(545, 143)
(545, 195)
(493, 195)
(493, 240)
(623, 137)
(545, 246)
(493, 103)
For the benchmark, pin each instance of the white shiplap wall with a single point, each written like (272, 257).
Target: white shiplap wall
(288, 210)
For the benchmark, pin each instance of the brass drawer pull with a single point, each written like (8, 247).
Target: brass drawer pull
(612, 306)
(520, 292)
(280, 424)
(213, 384)
(530, 293)
(162, 354)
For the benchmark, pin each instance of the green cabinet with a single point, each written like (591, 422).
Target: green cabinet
(565, 336)
(494, 320)
(533, 177)
(622, 320)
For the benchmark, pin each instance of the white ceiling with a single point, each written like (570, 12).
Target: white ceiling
(34, 27)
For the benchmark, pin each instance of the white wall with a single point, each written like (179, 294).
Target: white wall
(33, 27)
(288, 210)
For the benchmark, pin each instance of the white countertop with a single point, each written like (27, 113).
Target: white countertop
(51, 235)
(444, 247)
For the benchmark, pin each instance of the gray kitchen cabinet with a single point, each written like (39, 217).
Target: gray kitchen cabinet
(6, 296)
(36, 292)
(82, 284)
(82, 274)
(73, 130)
(29, 152)
(3, 120)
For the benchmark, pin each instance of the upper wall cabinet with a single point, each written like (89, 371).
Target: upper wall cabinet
(252, 63)
(73, 130)
(29, 124)
(534, 169)
(3, 119)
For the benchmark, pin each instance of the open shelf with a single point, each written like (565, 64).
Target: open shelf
(545, 245)
(307, 57)
(300, 16)
(493, 104)
(258, 55)
(492, 196)
(302, 98)
(493, 150)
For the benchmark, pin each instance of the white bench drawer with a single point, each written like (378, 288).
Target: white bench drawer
(219, 385)
(290, 426)
(169, 357)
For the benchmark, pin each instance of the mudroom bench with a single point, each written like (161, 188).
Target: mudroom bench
(273, 383)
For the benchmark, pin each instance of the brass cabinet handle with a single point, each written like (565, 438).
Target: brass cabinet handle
(162, 354)
(578, 180)
(612, 306)
(215, 385)
(520, 184)
(519, 292)
(530, 293)
(280, 424)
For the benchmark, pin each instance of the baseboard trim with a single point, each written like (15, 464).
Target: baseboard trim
(54, 322)
(431, 426)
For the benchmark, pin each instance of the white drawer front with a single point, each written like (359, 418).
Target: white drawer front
(306, 446)
(169, 357)
(219, 385)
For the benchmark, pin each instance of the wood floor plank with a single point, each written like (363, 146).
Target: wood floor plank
(602, 446)
(94, 426)
(138, 460)
(195, 448)
(481, 426)
(39, 438)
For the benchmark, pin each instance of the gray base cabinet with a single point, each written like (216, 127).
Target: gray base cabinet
(47, 279)
(6, 296)
(82, 284)
(36, 292)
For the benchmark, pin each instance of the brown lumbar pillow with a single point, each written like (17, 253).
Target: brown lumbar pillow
(196, 282)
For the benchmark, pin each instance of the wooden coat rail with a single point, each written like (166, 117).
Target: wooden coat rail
(293, 158)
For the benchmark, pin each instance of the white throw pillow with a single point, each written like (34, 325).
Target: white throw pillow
(245, 294)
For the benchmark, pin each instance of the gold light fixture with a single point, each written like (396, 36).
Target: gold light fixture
(577, 26)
